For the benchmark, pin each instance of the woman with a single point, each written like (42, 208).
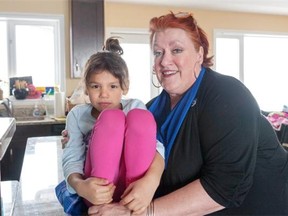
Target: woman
(222, 156)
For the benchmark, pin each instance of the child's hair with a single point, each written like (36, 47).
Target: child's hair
(109, 60)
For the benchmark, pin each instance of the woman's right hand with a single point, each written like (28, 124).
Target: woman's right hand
(65, 138)
(110, 209)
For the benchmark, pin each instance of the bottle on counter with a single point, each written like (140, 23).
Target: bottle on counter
(36, 111)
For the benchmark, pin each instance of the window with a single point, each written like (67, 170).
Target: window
(137, 55)
(259, 61)
(33, 46)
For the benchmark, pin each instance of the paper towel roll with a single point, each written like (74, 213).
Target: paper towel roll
(59, 104)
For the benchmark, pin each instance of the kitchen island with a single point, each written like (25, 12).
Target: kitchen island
(41, 172)
(13, 159)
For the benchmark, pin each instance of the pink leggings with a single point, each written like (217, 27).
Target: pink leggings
(121, 147)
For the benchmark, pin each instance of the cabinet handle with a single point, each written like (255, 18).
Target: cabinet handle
(76, 66)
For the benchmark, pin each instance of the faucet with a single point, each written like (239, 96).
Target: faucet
(7, 103)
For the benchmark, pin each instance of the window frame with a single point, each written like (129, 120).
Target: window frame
(240, 35)
(135, 35)
(57, 21)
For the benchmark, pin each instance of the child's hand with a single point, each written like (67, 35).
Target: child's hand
(96, 190)
(138, 196)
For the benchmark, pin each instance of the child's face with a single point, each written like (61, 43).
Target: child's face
(104, 91)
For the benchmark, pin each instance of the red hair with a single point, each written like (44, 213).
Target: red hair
(186, 22)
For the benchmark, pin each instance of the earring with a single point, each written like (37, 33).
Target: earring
(195, 76)
(154, 72)
(156, 86)
(194, 71)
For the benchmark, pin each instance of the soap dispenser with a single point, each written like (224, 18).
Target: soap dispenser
(36, 111)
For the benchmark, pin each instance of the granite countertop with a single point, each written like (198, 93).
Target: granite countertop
(7, 129)
(41, 172)
(39, 121)
(9, 190)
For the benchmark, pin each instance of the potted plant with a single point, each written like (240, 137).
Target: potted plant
(20, 90)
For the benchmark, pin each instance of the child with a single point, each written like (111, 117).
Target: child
(122, 144)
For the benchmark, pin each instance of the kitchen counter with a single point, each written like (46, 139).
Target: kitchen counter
(7, 129)
(41, 172)
(39, 121)
(9, 191)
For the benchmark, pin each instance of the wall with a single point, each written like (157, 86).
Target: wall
(119, 15)
(128, 16)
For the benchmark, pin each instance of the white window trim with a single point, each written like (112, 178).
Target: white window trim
(114, 31)
(239, 34)
(60, 44)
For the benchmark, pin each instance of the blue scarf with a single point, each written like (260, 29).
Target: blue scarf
(169, 121)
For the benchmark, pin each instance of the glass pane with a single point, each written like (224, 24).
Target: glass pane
(227, 56)
(35, 50)
(137, 57)
(265, 63)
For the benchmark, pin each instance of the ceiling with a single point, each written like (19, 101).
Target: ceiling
(278, 7)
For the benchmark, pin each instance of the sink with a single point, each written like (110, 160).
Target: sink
(29, 118)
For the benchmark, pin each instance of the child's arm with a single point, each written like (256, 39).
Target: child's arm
(96, 190)
(139, 194)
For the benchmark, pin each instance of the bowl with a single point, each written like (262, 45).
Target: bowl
(20, 94)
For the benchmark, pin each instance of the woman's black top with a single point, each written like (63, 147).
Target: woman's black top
(229, 145)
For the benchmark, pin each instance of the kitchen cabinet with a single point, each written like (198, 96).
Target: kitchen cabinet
(87, 32)
(11, 164)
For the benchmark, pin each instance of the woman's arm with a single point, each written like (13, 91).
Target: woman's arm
(190, 200)
(154, 173)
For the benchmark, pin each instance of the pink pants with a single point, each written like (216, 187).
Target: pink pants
(121, 147)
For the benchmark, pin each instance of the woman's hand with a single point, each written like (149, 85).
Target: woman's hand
(65, 138)
(108, 210)
(138, 195)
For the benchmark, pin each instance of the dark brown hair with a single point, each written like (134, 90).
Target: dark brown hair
(108, 60)
(186, 22)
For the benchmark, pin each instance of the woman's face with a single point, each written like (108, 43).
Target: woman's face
(104, 91)
(175, 60)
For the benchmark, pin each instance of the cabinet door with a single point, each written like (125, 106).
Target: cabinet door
(87, 32)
